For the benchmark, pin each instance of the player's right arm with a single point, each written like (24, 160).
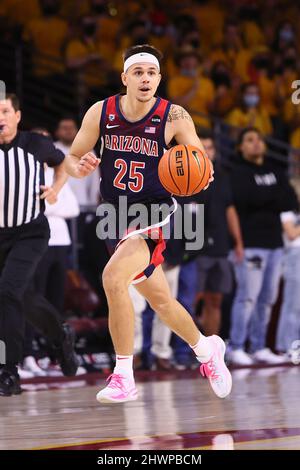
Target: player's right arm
(81, 162)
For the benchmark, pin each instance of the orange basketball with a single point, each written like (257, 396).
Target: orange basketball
(184, 170)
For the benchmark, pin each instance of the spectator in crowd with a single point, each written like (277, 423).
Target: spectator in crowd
(289, 321)
(295, 151)
(285, 36)
(232, 51)
(86, 56)
(251, 25)
(220, 220)
(86, 191)
(210, 17)
(260, 194)
(224, 96)
(191, 89)
(47, 35)
(66, 130)
(270, 89)
(107, 26)
(250, 113)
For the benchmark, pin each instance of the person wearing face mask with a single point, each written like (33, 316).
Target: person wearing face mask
(285, 36)
(19, 13)
(249, 18)
(263, 73)
(191, 89)
(47, 36)
(232, 50)
(250, 112)
(224, 92)
(107, 26)
(85, 54)
(288, 73)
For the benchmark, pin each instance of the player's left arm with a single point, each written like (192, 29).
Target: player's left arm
(181, 127)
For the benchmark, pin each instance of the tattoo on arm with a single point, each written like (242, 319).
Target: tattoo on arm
(177, 112)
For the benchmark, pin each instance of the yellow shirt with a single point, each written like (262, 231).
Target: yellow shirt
(252, 34)
(258, 118)
(210, 19)
(180, 86)
(21, 12)
(268, 94)
(295, 139)
(71, 9)
(242, 62)
(48, 37)
(286, 80)
(108, 28)
(291, 111)
(92, 72)
(224, 101)
(237, 60)
(4, 5)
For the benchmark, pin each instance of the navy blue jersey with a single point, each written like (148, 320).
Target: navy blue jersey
(131, 152)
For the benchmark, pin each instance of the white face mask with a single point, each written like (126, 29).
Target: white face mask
(287, 35)
(251, 100)
(189, 72)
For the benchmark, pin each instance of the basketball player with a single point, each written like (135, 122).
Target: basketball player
(135, 128)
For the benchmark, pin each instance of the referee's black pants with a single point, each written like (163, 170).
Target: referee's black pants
(21, 249)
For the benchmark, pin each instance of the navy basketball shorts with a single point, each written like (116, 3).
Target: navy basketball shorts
(152, 228)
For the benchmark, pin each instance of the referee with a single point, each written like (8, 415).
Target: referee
(24, 235)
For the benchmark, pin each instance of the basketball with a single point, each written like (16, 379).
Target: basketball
(184, 170)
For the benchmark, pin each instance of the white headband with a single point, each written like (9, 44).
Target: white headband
(141, 57)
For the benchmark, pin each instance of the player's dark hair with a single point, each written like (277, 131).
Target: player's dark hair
(14, 101)
(142, 48)
(245, 131)
(66, 117)
(205, 134)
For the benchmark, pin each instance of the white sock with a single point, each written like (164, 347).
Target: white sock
(202, 349)
(124, 366)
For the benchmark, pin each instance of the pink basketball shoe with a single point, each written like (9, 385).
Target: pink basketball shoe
(215, 369)
(119, 390)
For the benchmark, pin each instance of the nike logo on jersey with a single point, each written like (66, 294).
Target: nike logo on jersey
(111, 127)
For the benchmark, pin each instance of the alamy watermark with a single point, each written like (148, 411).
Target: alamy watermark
(296, 94)
(2, 352)
(2, 90)
(187, 223)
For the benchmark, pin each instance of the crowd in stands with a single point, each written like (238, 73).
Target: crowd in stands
(235, 60)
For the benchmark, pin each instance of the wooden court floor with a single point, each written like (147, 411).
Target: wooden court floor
(172, 412)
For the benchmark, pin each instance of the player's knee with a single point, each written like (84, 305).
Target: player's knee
(111, 280)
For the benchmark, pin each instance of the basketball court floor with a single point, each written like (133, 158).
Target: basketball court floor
(174, 411)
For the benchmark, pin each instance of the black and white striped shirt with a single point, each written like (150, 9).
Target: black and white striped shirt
(22, 174)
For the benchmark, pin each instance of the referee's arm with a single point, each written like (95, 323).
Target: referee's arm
(81, 162)
(55, 159)
(60, 177)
